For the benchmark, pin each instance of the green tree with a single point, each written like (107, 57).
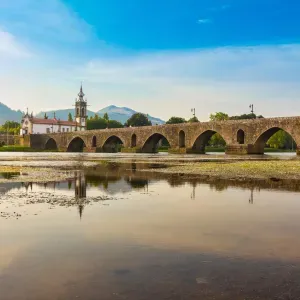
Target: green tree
(279, 140)
(176, 120)
(70, 118)
(245, 117)
(99, 123)
(115, 124)
(193, 120)
(219, 116)
(45, 116)
(10, 127)
(138, 119)
(217, 141)
(105, 117)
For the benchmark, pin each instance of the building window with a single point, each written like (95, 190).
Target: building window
(48, 130)
(63, 130)
(67, 129)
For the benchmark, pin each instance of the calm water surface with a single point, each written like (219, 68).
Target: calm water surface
(118, 233)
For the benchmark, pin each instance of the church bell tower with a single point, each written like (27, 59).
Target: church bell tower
(81, 111)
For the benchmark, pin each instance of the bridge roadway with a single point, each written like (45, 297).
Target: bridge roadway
(241, 136)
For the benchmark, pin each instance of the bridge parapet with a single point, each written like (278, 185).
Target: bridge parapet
(241, 136)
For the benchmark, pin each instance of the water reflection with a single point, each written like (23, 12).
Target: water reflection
(120, 232)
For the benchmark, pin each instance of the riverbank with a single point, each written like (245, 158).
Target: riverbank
(274, 170)
(44, 167)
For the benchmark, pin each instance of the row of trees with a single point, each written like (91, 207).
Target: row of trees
(96, 122)
(136, 120)
(10, 127)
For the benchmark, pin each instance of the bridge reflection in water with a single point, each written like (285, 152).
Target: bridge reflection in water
(115, 180)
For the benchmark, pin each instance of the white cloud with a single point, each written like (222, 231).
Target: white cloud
(204, 21)
(225, 79)
(170, 83)
(46, 19)
(9, 46)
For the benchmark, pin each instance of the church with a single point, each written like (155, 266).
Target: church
(33, 125)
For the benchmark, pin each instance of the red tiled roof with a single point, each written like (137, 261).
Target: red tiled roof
(52, 122)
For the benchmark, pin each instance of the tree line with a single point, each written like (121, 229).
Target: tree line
(10, 127)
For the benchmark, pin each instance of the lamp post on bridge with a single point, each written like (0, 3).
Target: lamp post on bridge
(251, 106)
(193, 110)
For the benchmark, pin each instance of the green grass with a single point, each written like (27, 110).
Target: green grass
(278, 150)
(17, 148)
(222, 149)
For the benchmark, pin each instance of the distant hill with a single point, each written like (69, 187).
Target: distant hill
(121, 114)
(8, 114)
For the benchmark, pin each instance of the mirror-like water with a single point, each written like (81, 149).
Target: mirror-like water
(117, 233)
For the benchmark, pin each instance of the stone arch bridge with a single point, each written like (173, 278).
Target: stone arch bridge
(241, 136)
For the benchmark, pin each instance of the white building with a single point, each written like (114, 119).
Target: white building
(32, 125)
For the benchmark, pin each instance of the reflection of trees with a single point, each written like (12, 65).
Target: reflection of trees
(137, 183)
(219, 186)
(9, 175)
(100, 180)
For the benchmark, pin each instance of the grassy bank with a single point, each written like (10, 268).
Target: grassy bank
(222, 149)
(274, 170)
(17, 148)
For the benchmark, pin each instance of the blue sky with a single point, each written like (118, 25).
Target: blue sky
(162, 57)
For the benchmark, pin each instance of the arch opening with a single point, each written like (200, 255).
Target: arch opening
(94, 141)
(240, 137)
(209, 141)
(181, 139)
(113, 144)
(51, 145)
(155, 143)
(76, 145)
(274, 139)
(133, 140)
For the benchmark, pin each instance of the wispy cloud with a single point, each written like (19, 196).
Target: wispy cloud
(44, 19)
(204, 21)
(10, 47)
(223, 78)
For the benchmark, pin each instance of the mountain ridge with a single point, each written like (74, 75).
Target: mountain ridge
(121, 114)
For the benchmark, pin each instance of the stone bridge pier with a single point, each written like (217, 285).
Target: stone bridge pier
(241, 137)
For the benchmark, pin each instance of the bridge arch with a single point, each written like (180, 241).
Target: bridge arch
(263, 138)
(94, 141)
(153, 142)
(181, 139)
(77, 144)
(240, 137)
(133, 140)
(112, 144)
(51, 144)
(202, 141)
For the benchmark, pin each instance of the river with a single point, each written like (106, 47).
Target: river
(117, 232)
